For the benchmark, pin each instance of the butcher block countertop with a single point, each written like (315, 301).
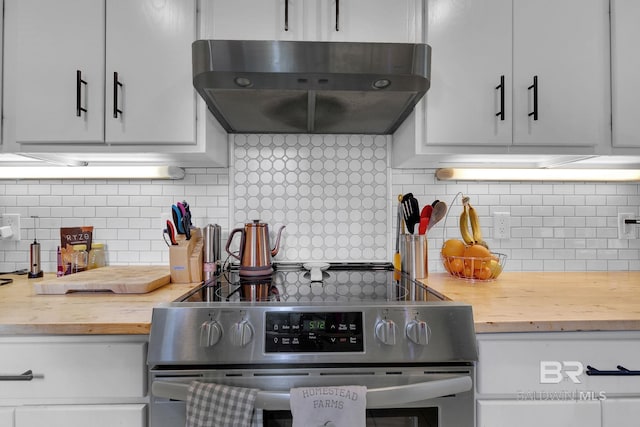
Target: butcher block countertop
(545, 302)
(25, 312)
(515, 302)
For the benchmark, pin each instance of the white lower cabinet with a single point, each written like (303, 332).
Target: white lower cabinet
(621, 412)
(6, 416)
(540, 379)
(509, 413)
(73, 381)
(81, 416)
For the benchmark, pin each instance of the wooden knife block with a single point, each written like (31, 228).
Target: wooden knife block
(185, 258)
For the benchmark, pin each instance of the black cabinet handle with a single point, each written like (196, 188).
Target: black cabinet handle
(534, 86)
(337, 15)
(501, 87)
(25, 376)
(79, 83)
(621, 370)
(116, 84)
(286, 15)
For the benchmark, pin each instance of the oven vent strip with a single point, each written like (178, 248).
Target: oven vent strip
(307, 374)
(385, 397)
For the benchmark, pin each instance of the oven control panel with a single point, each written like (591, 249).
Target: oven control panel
(318, 332)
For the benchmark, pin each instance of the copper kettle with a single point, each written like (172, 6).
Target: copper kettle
(255, 249)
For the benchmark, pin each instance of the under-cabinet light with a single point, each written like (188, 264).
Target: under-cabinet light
(91, 172)
(55, 159)
(485, 174)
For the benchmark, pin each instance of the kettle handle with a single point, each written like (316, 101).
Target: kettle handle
(234, 231)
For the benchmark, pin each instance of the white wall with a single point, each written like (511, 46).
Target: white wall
(556, 226)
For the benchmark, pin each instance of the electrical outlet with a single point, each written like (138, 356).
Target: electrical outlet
(501, 225)
(626, 231)
(13, 221)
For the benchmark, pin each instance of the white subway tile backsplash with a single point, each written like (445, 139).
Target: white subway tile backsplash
(554, 265)
(597, 243)
(86, 212)
(337, 196)
(27, 201)
(575, 265)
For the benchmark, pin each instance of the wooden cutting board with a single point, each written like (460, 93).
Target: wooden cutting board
(123, 279)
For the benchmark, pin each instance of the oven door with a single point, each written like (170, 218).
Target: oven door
(396, 396)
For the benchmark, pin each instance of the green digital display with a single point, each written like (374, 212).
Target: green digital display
(314, 325)
(309, 332)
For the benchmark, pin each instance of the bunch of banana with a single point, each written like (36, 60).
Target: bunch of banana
(470, 216)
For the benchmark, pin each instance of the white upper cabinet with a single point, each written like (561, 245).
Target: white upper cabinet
(317, 20)
(471, 55)
(561, 48)
(253, 19)
(54, 70)
(370, 20)
(61, 58)
(149, 46)
(512, 76)
(625, 69)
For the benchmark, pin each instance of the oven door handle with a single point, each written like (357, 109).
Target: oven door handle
(385, 397)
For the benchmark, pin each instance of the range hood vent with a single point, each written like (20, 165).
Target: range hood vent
(310, 87)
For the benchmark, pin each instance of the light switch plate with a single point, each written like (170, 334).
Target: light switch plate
(626, 231)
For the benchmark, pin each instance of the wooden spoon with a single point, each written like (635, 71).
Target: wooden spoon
(439, 212)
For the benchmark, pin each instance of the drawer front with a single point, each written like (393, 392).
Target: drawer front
(73, 370)
(82, 416)
(553, 365)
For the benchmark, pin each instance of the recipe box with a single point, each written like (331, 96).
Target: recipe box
(185, 258)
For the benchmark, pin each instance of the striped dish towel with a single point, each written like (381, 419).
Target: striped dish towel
(215, 405)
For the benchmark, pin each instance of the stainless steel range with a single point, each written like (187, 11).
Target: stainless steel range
(353, 324)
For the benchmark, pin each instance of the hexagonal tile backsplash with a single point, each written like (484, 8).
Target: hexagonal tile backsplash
(331, 192)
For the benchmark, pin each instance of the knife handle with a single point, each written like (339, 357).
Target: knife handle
(177, 219)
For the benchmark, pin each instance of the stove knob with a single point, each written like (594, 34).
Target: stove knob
(210, 333)
(418, 332)
(241, 333)
(386, 332)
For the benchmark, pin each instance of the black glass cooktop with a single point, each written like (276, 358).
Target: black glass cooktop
(291, 282)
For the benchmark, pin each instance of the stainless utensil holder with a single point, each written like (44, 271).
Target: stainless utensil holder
(415, 258)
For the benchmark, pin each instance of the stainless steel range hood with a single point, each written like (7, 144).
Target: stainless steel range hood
(310, 87)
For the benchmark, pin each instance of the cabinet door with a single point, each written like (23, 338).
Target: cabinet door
(394, 21)
(565, 43)
(81, 416)
(46, 43)
(471, 51)
(620, 412)
(509, 413)
(625, 68)
(254, 20)
(149, 47)
(6, 416)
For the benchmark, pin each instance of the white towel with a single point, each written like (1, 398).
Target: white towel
(329, 406)
(215, 405)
